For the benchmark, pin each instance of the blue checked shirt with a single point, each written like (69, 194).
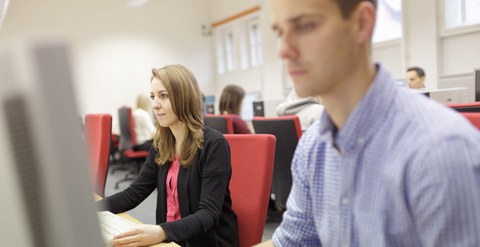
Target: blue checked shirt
(403, 171)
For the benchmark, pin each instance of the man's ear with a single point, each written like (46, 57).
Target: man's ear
(364, 18)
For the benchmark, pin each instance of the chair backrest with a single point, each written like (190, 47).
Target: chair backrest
(288, 131)
(222, 123)
(127, 128)
(466, 107)
(98, 129)
(252, 166)
(473, 117)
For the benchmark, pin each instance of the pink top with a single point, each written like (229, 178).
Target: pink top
(173, 208)
(239, 126)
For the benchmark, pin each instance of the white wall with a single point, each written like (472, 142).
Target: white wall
(115, 47)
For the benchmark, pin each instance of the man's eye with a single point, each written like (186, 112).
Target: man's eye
(152, 97)
(304, 27)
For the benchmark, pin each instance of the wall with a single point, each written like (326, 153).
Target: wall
(114, 47)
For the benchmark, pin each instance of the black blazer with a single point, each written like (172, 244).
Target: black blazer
(203, 195)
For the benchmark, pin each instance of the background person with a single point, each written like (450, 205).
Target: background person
(231, 102)
(416, 77)
(307, 109)
(144, 127)
(188, 164)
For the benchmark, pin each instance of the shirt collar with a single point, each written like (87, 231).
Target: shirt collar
(366, 117)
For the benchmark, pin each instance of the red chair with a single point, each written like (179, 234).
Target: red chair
(466, 107)
(288, 131)
(252, 167)
(127, 142)
(98, 128)
(222, 123)
(473, 117)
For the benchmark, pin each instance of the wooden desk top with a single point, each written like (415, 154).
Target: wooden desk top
(129, 217)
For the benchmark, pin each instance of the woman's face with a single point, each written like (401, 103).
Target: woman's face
(161, 104)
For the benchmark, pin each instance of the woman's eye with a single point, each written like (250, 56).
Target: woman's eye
(152, 97)
(164, 95)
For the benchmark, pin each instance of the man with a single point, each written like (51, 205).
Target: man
(416, 77)
(383, 166)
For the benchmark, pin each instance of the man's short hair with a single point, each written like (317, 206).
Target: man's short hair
(347, 6)
(420, 71)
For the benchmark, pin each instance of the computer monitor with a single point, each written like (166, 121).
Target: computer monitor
(47, 192)
(209, 104)
(477, 84)
(247, 109)
(258, 109)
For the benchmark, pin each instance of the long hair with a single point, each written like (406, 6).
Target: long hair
(186, 100)
(231, 99)
(142, 102)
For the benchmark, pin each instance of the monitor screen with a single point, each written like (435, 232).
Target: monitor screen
(247, 107)
(47, 192)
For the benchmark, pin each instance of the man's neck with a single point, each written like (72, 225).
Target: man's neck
(342, 99)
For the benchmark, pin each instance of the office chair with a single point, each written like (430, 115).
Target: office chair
(473, 117)
(466, 107)
(98, 128)
(287, 130)
(222, 123)
(252, 166)
(127, 141)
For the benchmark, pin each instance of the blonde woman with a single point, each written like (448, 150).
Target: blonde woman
(144, 127)
(189, 165)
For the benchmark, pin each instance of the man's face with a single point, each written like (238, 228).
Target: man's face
(415, 81)
(316, 43)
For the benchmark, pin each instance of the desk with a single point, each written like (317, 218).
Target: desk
(129, 217)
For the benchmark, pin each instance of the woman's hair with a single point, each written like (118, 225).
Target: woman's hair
(142, 102)
(185, 97)
(231, 99)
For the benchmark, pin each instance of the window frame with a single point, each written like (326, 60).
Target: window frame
(455, 30)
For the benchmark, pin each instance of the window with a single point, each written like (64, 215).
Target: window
(244, 57)
(389, 21)
(255, 42)
(238, 44)
(461, 12)
(220, 51)
(229, 50)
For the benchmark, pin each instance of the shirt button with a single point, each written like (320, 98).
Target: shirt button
(345, 201)
(360, 141)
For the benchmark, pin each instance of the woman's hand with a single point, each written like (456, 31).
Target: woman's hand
(143, 235)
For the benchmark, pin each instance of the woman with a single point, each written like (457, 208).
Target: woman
(231, 103)
(144, 127)
(188, 164)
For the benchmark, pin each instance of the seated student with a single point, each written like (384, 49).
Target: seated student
(144, 127)
(188, 164)
(416, 77)
(231, 103)
(307, 109)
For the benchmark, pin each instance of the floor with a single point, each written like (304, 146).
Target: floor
(145, 212)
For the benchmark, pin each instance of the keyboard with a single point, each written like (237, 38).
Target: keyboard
(112, 224)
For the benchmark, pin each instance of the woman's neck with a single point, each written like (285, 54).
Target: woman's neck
(179, 131)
